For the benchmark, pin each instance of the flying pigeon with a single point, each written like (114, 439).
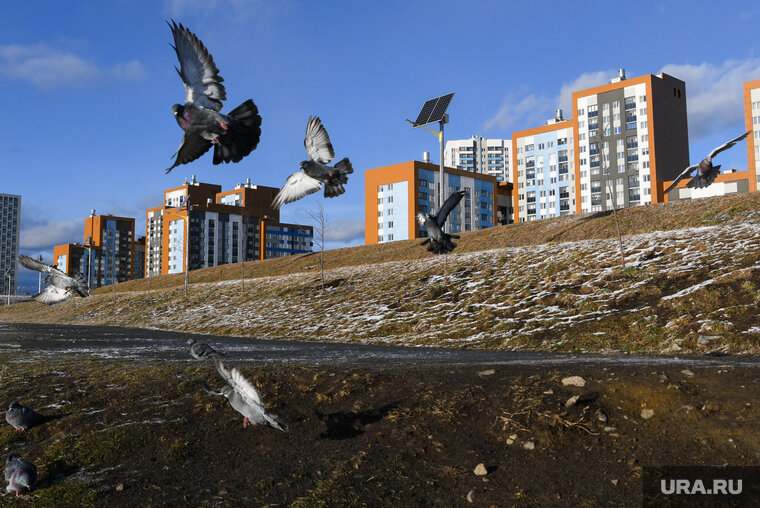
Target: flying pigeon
(244, 398)
(233, 135)
(61, 286)
(19, 473)
(314, 172)
(440, 242)
(706, 172)
(201, 350)
(21, 417)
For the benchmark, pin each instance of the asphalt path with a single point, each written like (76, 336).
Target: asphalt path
(32, 342)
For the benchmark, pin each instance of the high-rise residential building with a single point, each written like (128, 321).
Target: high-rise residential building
(225, 227)
(544, 170)
(632, 136)
(106, 254)
(752, 122)
(138, 258)
(480, 155)
(395, 194)
(10, 226)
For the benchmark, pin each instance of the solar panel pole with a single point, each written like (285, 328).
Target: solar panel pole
(442, 196)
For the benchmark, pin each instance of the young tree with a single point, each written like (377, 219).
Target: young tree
(320, 229)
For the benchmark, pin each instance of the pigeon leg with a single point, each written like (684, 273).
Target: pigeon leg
(246, 422)
(215, 140)
(223, 125)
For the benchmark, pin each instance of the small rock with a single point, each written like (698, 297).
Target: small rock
(511, 439)
(480, 470)
(119, 487)
(574, 381)
(549, 392)
(572, 400)
(601, 416)
(614, 482)
(707, 339)
(529, 445)
(609, 429)
(672, 348)
(489, 372)
(647, 413)
(471, 496)
(687, 372)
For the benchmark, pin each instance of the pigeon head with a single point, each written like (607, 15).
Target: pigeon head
(14, 405)
(227, 391)
(178, 110)
(11, 457)
(305, 165)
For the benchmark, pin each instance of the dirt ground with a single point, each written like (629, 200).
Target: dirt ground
(122, 434)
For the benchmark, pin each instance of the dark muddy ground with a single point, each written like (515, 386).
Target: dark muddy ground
(128, 432)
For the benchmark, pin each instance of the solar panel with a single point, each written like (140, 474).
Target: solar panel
(433, 110)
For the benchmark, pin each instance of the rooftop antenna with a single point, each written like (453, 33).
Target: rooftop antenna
(433, 111)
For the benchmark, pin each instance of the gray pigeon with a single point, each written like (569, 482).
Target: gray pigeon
(21, 417)
(244, 398)
(314, 172)
(19, 473)
(61, 286)
(440, 242)
(201, 350)
(233, 135)
(706, 172)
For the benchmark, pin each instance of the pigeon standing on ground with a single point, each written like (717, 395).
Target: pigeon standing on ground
(233, 135)
(201, 350)
(440, 242)
(244, 398)
(19, 473)
(21, 417)
(706, 172)
(61, 286)
(314, 172)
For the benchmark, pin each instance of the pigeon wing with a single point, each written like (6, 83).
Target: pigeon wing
(684, 173)
(39, 266)
(317, 142)
(448, 206)
(727, 145)
(296, 186)
(203, 85)
(51, 295)
(192, 147)
(239, 383)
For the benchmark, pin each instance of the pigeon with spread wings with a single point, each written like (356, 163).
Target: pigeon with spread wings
(315, 171)
(233, 135)
(706, 172)
(437, 241)
(61, 286)
(244, 398)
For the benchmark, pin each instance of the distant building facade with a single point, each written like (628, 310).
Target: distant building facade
(395, 194)
(106, 254)
(480, 155)
(544, 170)
(224, 227)
(632, 137)
(10, 227)
(752, 123)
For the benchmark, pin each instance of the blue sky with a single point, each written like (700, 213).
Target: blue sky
(88, 88)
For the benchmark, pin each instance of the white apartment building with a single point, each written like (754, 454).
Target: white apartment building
(480, 155)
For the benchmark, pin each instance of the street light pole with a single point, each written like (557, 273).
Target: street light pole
(187, 247)
(39, 277)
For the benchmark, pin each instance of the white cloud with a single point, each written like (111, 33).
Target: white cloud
(46, 236)
(46, 67)
(345, 230)
(533, 110)
(714, 95)
(231, 9)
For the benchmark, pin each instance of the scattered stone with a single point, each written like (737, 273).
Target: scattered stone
(529, 445)
(489, 372)
(610, 429)
(614, 482)
(707, 339)
(672, 348)
(480, 470)
(574, 381)
(711, 407)
(511, 439)
(549, 392)
(572, 400)
(119, 487)
(647, 413)
(687, 372)
(471, 496)
(601, 416)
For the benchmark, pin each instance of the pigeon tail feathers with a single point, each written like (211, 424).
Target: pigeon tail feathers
(242, 135)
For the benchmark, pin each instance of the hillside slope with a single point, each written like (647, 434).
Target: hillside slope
(550, 285)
